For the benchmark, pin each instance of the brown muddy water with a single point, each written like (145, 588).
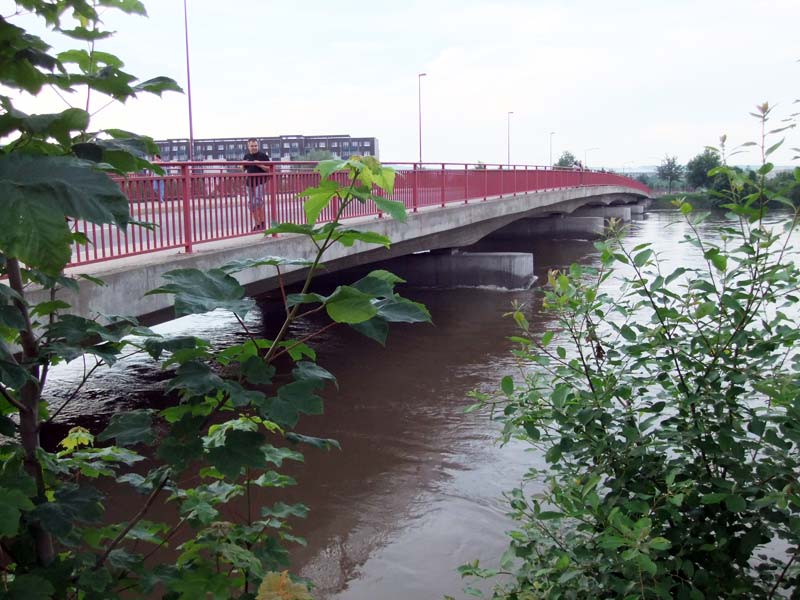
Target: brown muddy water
(417, 488)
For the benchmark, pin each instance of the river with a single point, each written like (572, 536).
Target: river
(417, 488)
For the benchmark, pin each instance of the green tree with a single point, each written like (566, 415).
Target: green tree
(645, 179)
(234, 422)
(566, 160)
(698, 168)
(670, 171)
(666, 405)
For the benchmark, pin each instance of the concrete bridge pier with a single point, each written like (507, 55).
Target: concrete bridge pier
(623, 213)
(553, 226)
(453, 268)
(636, 209)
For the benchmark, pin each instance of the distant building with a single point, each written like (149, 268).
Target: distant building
(282, 147)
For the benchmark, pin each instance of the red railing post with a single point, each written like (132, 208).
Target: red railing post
(485, 182)
(187, 208)
(515, 179)
(442, 187)
(502, 181)
(415, 190)
(466, 183)
(273, 198)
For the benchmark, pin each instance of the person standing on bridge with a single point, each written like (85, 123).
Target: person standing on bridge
(255, 183)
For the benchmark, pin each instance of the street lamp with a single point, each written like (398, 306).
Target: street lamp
(552, 133)
(508, 137)
(188, 81)
(419, 100)
(585, 154)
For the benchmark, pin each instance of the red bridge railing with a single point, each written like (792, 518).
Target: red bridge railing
(199, 202)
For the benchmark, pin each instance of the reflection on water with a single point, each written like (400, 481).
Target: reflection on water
(417, 488)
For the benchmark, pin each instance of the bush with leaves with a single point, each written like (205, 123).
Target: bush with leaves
(233, 424)
(667, 407)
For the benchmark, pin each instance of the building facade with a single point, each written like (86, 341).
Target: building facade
(282, 147)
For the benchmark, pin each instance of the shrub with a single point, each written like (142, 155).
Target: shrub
(667, 407)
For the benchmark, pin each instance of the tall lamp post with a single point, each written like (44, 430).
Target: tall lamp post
(586, 154)
(188, 81)
(419, 100)
(552, 133)
(508, 137)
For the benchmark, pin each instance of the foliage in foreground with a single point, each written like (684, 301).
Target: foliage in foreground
(233, 424)
(667, 406)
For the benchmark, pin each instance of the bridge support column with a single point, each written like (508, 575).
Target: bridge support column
(623, 213)
(554, 226)
(636, 209)
(509, 270)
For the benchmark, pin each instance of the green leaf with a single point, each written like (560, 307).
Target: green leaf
(29, 587)
(12, 503)
(240, 451)
(156, 346)
(72, 505)
(326, 167)
(257, 372)
(275, 261)
(507, 385)
(628, 333)
(395, 209)
(295, 299)
(198, 292)
(347, 237)
(401, 310)
(130, 428)
(553, 454)
(379, 284)
(735, 503)
(292, 399)
(641, 259)
(291, 228)
(375, 328)
(705, 309)
(196, 378)
(11, 317)
(273, 479)
(37, 193)
(349, 305)
(158, 85)
(713, 498)
(318, 198)
(320, 443)
(311, 371)
(646, 564)
(720, 261)
(660, 543)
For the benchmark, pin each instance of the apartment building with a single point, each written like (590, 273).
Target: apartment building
(282, 147)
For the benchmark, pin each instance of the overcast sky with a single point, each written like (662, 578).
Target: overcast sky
(635, 79)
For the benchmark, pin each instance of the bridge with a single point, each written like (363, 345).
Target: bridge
(199, 217)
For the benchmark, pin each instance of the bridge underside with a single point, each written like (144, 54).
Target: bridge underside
(456, 226)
